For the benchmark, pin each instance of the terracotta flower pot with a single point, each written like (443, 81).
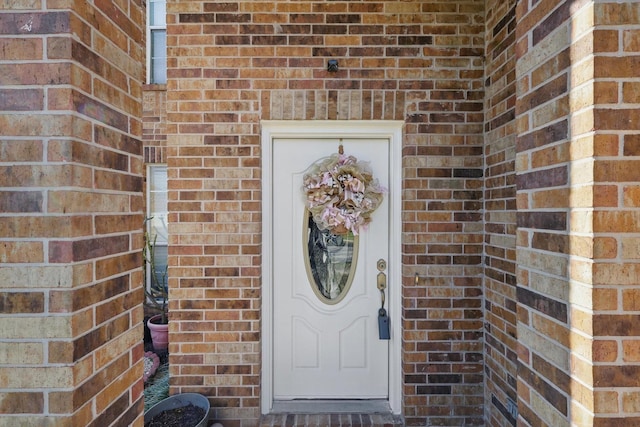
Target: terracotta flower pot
(159, 333)
(180, 401)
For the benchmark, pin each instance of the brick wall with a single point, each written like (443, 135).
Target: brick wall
(154, 123)
(235, 63)
(500, 214)
(70, 213)
(615, 166)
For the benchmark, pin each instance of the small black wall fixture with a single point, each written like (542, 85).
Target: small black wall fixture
(332, 65)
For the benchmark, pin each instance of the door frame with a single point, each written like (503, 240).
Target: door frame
(385, 129)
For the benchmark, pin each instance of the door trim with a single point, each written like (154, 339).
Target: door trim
(386, 129)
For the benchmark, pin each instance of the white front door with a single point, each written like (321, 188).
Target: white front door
(325, 349)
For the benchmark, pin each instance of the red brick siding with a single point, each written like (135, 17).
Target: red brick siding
(154, 123)
(500, 215)
(233, 64)
(70, 108)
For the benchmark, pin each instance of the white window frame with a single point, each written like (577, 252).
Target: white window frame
(151, 28)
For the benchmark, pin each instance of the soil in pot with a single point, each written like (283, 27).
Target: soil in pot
(184, 416)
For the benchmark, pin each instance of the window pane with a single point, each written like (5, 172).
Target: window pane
(157, 209)
(158, 56)
(157, 224)
(158, 228)
(158, 13)
(158, 188)
(159, 273)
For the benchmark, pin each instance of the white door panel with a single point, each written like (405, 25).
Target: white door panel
(325, 350)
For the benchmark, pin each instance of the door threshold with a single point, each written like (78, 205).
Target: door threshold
(331, 406)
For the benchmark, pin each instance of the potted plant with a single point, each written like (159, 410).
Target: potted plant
(156, 295)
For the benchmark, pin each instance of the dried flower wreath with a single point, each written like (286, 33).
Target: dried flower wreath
(341, 193)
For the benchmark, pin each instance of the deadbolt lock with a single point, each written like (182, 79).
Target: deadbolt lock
(382, 265)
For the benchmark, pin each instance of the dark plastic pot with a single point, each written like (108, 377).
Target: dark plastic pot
(178, 401)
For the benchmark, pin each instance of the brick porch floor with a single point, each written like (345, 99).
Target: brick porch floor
(331, 420)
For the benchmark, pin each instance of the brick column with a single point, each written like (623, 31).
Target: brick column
(616, 215)
(553, 205)
(577, 164)
(71, 213)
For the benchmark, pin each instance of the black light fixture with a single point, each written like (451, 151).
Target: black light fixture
(332, 66)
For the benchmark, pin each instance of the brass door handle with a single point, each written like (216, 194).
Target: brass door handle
(384, 332)
(382, 279)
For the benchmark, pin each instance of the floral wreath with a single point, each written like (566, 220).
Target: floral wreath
(341, 193)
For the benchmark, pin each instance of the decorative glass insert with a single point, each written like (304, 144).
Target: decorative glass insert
(330, 260)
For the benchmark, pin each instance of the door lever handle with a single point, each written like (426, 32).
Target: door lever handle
(383, 318)
(382, 285)
(382, 279)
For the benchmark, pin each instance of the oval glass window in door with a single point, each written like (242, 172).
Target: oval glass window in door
(330, 260)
